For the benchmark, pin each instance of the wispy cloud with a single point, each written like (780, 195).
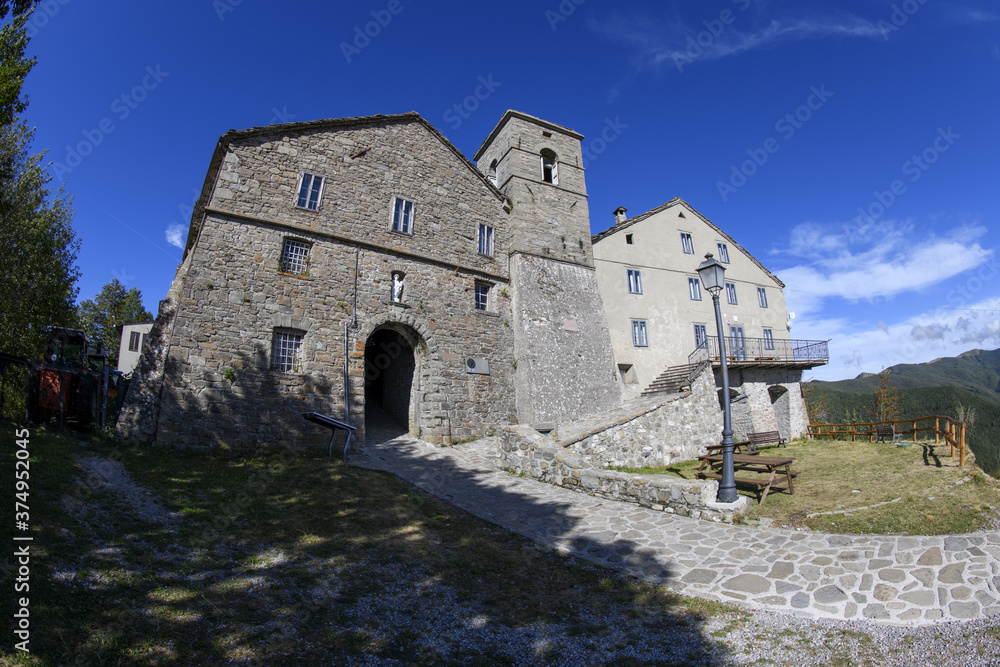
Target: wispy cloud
(857, 261)
(175, 236)
(674, 40)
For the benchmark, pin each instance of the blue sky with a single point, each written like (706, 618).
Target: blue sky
(850, 146)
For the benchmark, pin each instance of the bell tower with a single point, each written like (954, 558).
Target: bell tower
(565, 364)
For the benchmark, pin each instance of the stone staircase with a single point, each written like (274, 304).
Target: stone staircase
(673, 380)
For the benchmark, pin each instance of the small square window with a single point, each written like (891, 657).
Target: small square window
(402, 215)
(762, 297)
(133, 341)
(639, 333)
(486, 240)
(295, 256)
(694, 289)
(310, 188)
(687, 243)
(628, 239)
(700, 335)
(768, 339)
(731, 293)
(634, 281)
(285, 350)
(723, 253)
(482, 296)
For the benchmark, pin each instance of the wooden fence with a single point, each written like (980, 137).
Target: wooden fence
(951, 430)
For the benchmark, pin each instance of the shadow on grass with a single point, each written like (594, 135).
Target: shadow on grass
(290, 557)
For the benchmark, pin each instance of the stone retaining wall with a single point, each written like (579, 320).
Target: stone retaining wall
(523, 450)
(678, 429)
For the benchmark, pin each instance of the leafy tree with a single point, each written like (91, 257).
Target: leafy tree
(885, 406)
(14, 66)
(102, 317)
(38, 248)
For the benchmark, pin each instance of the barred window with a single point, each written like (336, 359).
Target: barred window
(295, 256)
(482, 296)
(285, 350)
(309, 191)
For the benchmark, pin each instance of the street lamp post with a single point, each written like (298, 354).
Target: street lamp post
(712, 274)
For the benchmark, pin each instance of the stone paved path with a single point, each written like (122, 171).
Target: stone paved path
(889, 579)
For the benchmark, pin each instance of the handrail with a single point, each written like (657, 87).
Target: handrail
(739, 349)
(952, 430)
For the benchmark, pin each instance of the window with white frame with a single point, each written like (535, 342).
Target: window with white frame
(133, 341)
(762, 297)
(639, 333)
(402, 215)
(694, 289)
(634, 281)
(768, 339)
(731, 293)
(700, 335)
(295, 256)
(723, 252)
(687, 243)
(482, 296)
(310, 189)
(486, 240)
(550, 167)
(285, 351)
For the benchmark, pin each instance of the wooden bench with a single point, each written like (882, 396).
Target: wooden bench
(768, 465)
(883, 431)
(742, 447)
(765, 438)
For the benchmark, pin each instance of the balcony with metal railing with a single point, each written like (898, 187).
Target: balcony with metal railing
(747, 352)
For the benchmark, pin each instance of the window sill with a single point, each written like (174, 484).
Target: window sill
(300, 276)
(396, 304)
(487, 313)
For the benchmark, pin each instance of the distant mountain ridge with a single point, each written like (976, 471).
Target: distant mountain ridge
(976, 371)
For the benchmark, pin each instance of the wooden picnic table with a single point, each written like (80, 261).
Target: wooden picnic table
(711, 465)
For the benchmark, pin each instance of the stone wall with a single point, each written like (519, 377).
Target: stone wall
(767, 399)
(525, 451)
(565, 365)
(674, 428)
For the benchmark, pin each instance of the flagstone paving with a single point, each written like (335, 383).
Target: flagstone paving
(901, 580)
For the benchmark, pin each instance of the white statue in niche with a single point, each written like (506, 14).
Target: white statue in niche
(397, 287)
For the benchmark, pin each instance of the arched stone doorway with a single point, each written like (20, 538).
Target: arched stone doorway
(393, 355)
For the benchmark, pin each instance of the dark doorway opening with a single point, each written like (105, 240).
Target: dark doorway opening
(389, 370)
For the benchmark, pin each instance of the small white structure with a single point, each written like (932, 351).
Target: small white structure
(133, 340)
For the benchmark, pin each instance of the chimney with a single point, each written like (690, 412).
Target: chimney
(620, 216)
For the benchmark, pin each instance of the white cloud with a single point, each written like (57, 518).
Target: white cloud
(863, 262)
(674, 41)
(175, 235)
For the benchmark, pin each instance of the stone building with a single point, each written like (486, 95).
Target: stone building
(662, 320)
(362, 267)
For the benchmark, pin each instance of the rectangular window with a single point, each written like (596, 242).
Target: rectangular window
(634, 281)
(402, 215)
(295, 256)
(133, 341)
(723, 253)
(310, 189)
(687, 243)
(639, 333)
(731, 293)
(628, 239)
(762, 297)
(700, 335)
(285, 351)
(768, 339)
(486, 240)
(482, 296)
(694, 289)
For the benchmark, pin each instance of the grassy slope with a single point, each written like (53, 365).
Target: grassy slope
(983, 439)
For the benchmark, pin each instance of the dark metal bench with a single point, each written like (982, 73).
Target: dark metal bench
(334, 425)
(765, 438)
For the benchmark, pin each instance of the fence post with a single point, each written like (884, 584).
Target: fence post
(961, 451)
(914, 432)
(937, 428)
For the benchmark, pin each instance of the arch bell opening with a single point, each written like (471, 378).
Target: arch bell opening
(394, 356)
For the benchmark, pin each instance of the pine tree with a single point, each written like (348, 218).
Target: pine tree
(103, 317)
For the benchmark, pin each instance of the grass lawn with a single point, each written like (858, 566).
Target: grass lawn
(299, 559)
(915, 490)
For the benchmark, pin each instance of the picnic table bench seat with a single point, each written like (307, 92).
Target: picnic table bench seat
(752, 462)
